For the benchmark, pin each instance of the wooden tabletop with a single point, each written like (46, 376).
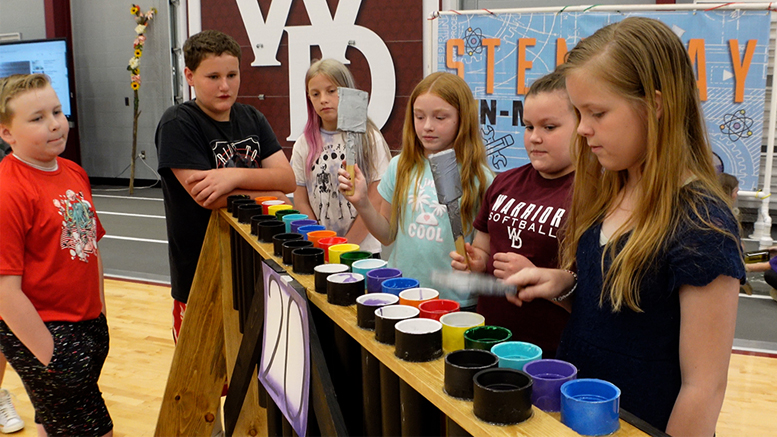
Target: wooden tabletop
(426, 378)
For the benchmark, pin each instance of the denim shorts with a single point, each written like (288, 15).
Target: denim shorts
(65, 394)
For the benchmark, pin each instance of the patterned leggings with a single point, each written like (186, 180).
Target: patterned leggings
(65, 394)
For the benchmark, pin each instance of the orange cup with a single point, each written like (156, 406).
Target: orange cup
(314, 236)
(261, 199)
(416, 296)
(327, 242)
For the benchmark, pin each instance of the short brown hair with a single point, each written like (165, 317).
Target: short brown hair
(729, 183)
(553, 81)
(207, 42)
(14, 85)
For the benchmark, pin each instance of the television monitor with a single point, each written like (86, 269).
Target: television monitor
(47, 56)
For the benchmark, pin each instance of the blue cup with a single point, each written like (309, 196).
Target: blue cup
(395, 285)
(309, 228)
(590, 406)
(516, 354)
(288, 218)
(376, 277)
(296, 224)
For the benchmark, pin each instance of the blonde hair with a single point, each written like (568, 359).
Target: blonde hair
(340, 76)
(14, 85)
(468, 145)
(635, 58)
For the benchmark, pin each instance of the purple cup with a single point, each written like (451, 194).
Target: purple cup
(549, 376)
(396, 285)
(376, 277)
(296, 224)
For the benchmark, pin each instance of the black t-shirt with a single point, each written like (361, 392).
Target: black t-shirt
(187, 138)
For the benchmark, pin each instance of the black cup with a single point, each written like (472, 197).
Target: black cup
(246, 211)
(418, 340)
(256, 219)
(321, 272)
(236, 205)
(502, 396)
(279, 239)
(289, 246)
(232, 197)
(343, 288)
(366, 305)
(387, 317)
(461, 366)
(305, 259)
(269, 229)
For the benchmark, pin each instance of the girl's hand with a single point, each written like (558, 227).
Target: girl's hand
(534, 282)
(507, 264)
(476, 262)
(360, 196)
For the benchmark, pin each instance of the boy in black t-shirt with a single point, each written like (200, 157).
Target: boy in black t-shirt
(209, 148)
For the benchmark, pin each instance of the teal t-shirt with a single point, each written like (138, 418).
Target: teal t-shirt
(424, 239)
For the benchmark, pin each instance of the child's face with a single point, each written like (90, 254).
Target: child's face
(550, 125)
(436, 123)
(38, 130)
(322, 93)
(216, 82)
(615, 129)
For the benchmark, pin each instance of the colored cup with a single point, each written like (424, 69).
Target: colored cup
(309, 228)
(326, 242)
(268, 203)
(261, 199)
(279, 214)
(516, 354)
(460, 368)
(454, 325)
(396, 285)
(485, 337)
(287, 219)
(364, 266)
(366, 305)
(418, 340)
(414, 297)
(549, 375)
(314, 236)
(590, 406)
(436, 308)
(387, 317)
(296, 224)
(502, 396)
(273, 209)
(338, 249)
(375, 278)
(348, 258)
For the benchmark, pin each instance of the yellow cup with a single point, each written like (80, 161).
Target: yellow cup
(339, 249)
(454, 325)
(275, 208)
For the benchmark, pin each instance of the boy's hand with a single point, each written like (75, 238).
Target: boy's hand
(359, 196)
(476, 262)
(209, 185)
(508, 263)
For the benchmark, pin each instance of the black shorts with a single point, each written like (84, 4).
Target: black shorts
(65, 394)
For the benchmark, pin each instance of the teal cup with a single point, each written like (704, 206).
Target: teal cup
(516, 354)
(363, 266)
(288, 218)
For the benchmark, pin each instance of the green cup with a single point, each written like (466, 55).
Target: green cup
(279, 215)
(484, 337)
(348, 258)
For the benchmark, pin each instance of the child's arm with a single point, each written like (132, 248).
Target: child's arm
(23, 319)
(758, 267)
(478, 253)
(375, 217)
(358, 230)
(210, 188)
(302, 202)
(707, 321)
(101, 279)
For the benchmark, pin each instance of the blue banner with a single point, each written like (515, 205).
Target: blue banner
(500, 55)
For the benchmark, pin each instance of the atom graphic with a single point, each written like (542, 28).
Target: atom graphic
(737, 125)
(472, 40)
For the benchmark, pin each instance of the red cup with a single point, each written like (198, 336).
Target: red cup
(268, 203)
(436, 308)
(314, 236)
(327, 242)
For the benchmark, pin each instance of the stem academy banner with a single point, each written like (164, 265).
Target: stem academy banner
(501, 54)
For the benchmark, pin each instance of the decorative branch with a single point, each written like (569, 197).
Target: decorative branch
(143, 20)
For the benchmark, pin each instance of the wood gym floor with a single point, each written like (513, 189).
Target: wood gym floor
(139, 303)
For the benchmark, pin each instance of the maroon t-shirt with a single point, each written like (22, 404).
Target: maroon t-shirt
(522, 212)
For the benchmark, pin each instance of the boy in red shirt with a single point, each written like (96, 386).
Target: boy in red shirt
(53, 329)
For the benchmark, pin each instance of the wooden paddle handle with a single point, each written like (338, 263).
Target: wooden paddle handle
(461, 250)
(351, 174)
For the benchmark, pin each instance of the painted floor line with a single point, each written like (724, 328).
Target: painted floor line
(142, 240)
(128, 214)
(111, 196)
